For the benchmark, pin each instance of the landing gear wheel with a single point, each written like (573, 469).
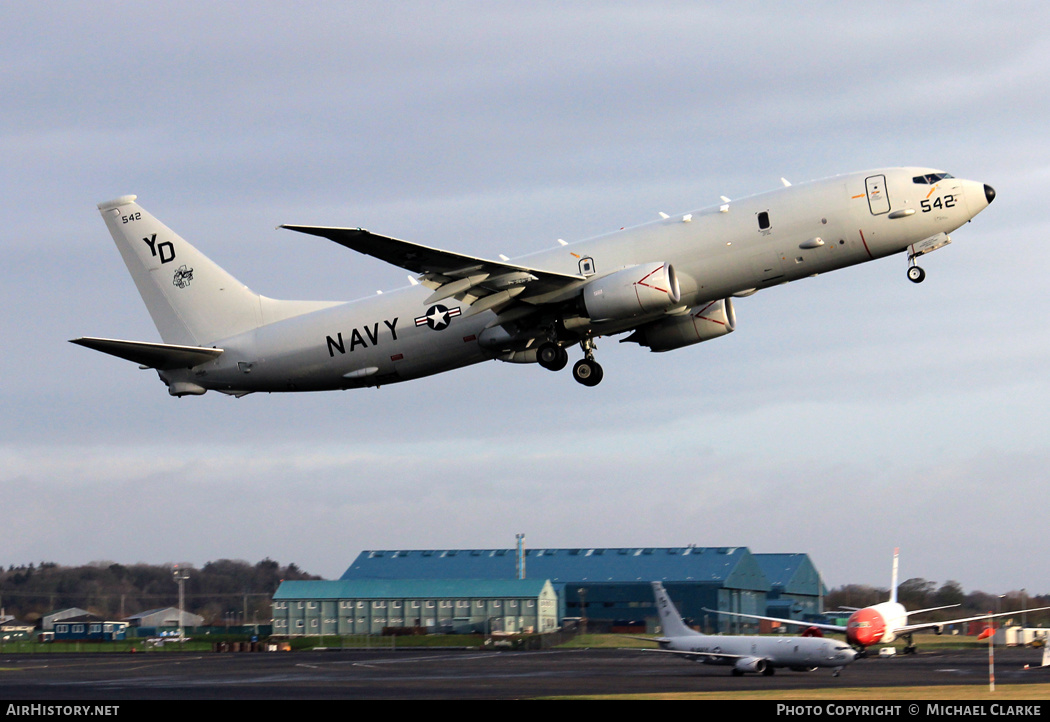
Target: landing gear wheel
(587, 372)
(916, 274)
(551, 356)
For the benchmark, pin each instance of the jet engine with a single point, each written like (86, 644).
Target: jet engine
(702, 323)
(750, 664)
(634, 290)
(812, 632)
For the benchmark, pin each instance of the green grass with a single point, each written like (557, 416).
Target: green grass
(608, 641)
(943, 693)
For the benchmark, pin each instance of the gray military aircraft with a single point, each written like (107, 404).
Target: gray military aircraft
(669, 283)
(746, 654)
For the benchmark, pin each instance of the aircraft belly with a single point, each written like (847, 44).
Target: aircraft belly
(429, 352)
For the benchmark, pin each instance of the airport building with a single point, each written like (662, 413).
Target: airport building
(602, 588)
(375, 606)
(89, 627)
(796, 589)
(166, 617)
(611, 586)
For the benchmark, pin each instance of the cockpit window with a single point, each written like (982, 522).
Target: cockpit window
(930, 178)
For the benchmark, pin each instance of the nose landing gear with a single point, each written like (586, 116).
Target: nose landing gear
(916, 274)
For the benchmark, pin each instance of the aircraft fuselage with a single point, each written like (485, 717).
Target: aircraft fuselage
(755, 654)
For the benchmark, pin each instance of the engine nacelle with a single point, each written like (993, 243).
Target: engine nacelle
(750, 664)
(635, 290)
(812, 632)
(702, 323)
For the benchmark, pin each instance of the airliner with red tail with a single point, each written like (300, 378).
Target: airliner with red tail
(881, 623)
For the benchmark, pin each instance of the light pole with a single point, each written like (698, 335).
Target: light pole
(583, 608)
(180, 575)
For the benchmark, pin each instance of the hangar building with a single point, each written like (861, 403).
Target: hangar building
(611, 586)
(371, 606)
(797, 591)
(539, 589)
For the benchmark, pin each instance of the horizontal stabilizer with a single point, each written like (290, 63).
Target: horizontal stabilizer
(161, 356)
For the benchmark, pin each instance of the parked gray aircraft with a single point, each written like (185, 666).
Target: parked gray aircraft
(746, 654)
(670, 283)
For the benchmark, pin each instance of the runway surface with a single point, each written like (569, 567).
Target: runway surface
(454, 674)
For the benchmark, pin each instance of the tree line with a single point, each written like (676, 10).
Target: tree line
(223, 592)
(230, 591)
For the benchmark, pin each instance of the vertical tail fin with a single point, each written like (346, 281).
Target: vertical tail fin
(670, 619)
(192, 301)
(893, 581)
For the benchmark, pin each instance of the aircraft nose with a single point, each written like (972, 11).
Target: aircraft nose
(989, 192)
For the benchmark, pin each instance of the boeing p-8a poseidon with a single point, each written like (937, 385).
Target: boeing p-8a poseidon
(670, 283)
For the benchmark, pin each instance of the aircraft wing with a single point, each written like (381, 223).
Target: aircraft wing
(715, 656)
(933, 609)
(976, 618)
(479, 282)
(825, 627)
(161, 356)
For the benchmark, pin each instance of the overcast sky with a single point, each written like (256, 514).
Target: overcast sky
(847, 415)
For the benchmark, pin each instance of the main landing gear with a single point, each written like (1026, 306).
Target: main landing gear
(551, 356)
(909, 645)
(587, 371)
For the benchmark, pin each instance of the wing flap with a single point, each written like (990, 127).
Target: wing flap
(714, 656)
(162, 356)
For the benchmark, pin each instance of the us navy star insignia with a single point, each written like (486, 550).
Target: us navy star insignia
(438, 317)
